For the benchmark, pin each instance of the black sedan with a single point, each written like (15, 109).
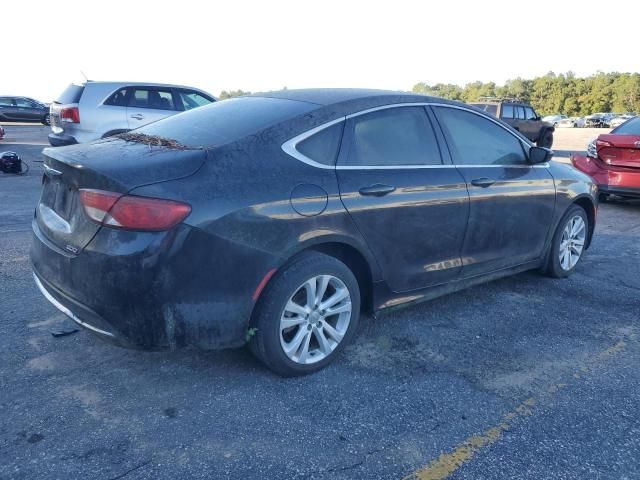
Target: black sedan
(276, 219)
(23, 109)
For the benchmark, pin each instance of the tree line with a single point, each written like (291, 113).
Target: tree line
(554, 93)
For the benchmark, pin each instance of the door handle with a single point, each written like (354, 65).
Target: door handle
(483, 182)
(138, 116)
(377, 190)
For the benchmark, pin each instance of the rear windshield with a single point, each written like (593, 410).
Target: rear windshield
(485, 107)
(71, 94)
(225, 121)
(630, 127)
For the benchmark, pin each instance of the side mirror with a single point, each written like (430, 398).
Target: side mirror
(540, 155)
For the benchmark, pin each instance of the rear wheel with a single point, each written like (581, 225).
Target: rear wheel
(546, 140)
(306, 315)
(568, 243)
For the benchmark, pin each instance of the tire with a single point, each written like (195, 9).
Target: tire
(554, 267)
(546, 140)
(289, 286)
(46, 120)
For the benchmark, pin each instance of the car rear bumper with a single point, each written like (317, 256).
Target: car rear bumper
(616, 181)
(148, 290)
(61, 140)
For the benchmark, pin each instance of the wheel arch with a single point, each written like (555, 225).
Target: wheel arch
(118, 131)
(589, 206)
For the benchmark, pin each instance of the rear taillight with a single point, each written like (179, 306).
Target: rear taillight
(70, 115)
(591, 150)
(130, 212)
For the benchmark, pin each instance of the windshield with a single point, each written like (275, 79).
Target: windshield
(225, 121)
(630, 127)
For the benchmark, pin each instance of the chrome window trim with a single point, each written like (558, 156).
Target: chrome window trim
(65, 310)
(289, 147)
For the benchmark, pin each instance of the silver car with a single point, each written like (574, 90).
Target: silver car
(94, 110)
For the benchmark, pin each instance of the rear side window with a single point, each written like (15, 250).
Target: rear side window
(118, 99)
(507, 111)
(157, 99)
(71, 94)
(520, 113)
(394, 136)
(630, 127)
(192, 99)
(323, 146)
(487, 107)
(475, 140)
(226, 121)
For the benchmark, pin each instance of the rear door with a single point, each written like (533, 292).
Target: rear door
(511, 201)
(148, 104)
(410, 207)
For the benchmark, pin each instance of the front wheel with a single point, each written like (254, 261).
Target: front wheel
(306, 315)
(569, 240)
(546, 140)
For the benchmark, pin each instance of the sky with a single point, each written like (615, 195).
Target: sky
(271, 44)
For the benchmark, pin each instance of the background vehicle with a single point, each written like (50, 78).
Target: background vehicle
(554, 119)
(520, 116)
(571, 122)
(1, 132)
(274, 218)
(619, 120)
(23, 109)
(94, 110)
(613, 160)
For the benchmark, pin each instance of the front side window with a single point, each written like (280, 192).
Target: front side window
(507, 111)
(393, 136)
(152, 98)
(322, 147)
(529, 113)
(6, 102)
(475, 140)
(192, 99)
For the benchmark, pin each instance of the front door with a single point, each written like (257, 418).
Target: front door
(511, 201)
(410, 208)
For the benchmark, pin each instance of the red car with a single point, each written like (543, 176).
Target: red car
(613, 160)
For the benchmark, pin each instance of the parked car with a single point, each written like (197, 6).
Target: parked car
(619, 120)
(613, 161)
(554, 119)
(23, 109)
(522, 117)
(1, 132)
(277, 218)
(96, 110)
(571, 122)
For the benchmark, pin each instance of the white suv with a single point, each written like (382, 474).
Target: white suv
(94, 110)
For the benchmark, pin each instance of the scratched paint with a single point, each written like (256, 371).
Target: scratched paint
(448, 462)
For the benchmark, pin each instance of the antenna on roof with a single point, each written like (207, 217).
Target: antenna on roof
(85, 77)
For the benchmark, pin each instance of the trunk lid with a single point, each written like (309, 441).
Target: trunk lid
(113, 165)
(619, 150)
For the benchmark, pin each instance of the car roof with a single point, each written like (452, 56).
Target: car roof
(351, 98)
(134, 84)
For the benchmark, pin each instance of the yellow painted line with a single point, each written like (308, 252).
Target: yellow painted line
(449, 462)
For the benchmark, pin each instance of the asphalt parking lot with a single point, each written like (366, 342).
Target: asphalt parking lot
(526, 377)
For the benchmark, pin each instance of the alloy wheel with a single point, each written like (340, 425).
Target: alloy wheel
(315, 319)
(572, 242)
